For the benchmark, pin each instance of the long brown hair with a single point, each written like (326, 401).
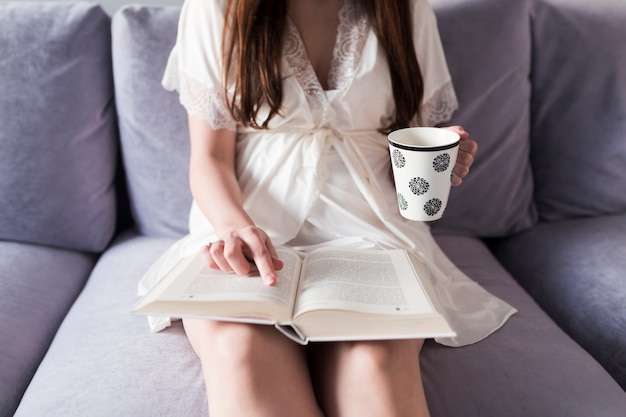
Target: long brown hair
(252, 46)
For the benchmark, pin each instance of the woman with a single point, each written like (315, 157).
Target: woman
(288, 105)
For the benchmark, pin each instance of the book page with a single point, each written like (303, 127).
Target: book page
(197, 282)
(374, 281)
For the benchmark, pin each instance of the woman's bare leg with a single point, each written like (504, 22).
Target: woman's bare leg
(362, 379)
(252, 370)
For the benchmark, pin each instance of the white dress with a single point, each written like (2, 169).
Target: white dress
(321, 174)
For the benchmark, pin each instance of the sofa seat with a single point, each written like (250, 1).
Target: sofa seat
(119, 367)
(105, 361)
(32, 308)
(576, 270)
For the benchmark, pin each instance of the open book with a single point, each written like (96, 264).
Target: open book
(329, 295)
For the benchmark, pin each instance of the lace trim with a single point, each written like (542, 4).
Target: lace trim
(298, 62)
(440, 106)
(351, 36)
(208, 104)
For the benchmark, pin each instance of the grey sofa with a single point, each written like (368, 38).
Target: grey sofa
(93, 187)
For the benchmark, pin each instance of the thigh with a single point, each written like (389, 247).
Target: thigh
(252, 370)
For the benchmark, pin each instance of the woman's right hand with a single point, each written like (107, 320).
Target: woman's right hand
(242, 249)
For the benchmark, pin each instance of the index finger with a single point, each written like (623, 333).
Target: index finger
(264, 256)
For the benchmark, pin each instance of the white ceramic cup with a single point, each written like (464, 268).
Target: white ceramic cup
(422, 159)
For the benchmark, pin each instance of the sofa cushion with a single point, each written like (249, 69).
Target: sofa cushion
(575, 270)
(488, 47)
(528, 368)
(38, 285)
(106, 362)
(57, 127)
(579, 107)
(153, 125)
(102, 352)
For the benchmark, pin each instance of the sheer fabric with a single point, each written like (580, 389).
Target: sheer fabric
(323, 165)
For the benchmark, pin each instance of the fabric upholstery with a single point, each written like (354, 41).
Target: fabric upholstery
(575, 270)
(528, 368)
(38, 285)
(58, 132)
(488, 47)
(579, 96)
(153, 125)
(110, 357)
(113, 355)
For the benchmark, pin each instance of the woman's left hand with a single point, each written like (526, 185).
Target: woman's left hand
(465, 158)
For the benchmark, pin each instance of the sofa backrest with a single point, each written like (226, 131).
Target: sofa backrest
(58, 136)
(579, 107)
(153, 125)
(488, 47)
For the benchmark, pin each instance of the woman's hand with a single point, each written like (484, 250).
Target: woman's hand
(241, 250)
(465, 158)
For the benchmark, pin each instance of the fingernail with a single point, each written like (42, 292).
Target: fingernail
(269, 280)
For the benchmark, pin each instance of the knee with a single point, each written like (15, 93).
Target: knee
(225, 342)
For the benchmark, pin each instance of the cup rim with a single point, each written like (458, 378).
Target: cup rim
(425, 148)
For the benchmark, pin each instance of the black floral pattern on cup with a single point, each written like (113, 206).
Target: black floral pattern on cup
(441, 162)
(419, 186)
(398, 159)
(402, 202)
(432, 206)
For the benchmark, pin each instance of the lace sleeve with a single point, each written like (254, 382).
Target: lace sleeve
(440, 106)
(194, 65)
(206, 103)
